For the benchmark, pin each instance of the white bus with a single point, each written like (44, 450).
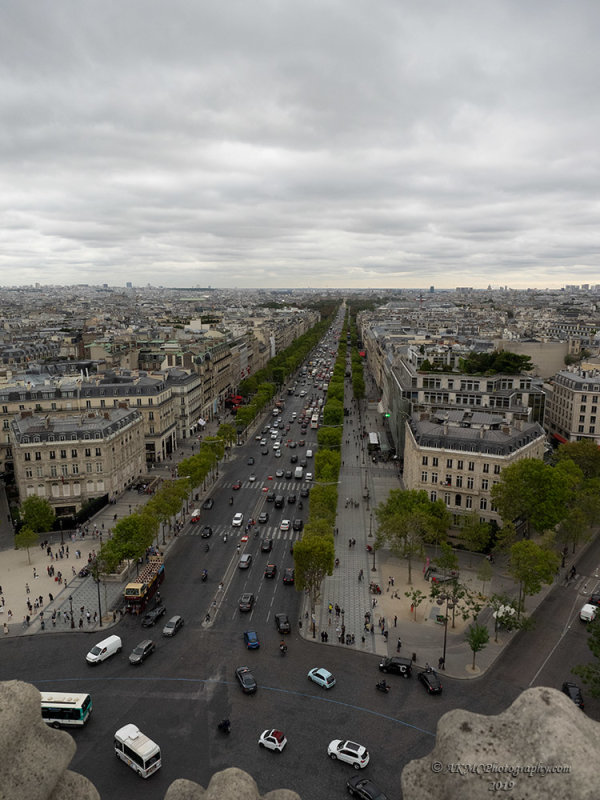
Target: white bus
(314, 421)
(137, 750)
(66, 709)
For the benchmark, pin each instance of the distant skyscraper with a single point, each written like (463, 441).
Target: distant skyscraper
(431, 290)
(129, 285)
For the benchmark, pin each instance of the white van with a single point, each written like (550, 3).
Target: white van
(104, 649)
(137, 750)
(309, 453)
(588, 613)
(299, 472)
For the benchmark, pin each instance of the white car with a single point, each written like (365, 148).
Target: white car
(273, 740)
(252, 477)
(350, 752)
(308, 476)
(321, 676)
(277, 453)
(285, 525)
(276, 445)
(263, 442)
(238, 520)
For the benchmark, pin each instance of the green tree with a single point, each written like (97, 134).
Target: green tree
(313, 559)
(447, 560)
(485, 573)
(535, 492)
(584, 453)
(476, 534)
(531, 566)
(333, 413)
(407, 520)
(228, 433)
(477, 636)
(505, 613)
(25, 539)
(416, 597)
(329, 438)
(37, 514)
(327, 466)
(590, 673)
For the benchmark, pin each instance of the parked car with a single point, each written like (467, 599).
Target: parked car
(151, 617)
(322, 677)
(246, 680)
(246, 602)
(272, 740)
(282, 623)
(364, 788)
(208, 504)
(350, 752)
(172, 626)
(431, 681)
(574, 692)
(251, 640)
(141, 652)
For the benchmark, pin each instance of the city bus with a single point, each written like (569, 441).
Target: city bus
(314, 421)
(137, 750)
(66, 709)
(374, 444)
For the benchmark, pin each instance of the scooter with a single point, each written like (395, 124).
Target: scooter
(204, 574)
(224, 726)
(231, 501)
(283, 649)
(224, 537)
(383, 686)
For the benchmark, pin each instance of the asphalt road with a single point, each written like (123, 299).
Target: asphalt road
(182, 691)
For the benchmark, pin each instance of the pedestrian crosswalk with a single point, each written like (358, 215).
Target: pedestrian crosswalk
(290, 487)
(233, 534)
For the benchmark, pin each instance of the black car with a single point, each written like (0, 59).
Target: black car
(263, 517)
(574, 692)
(208, 504)
(265, 451)
(365, 789)
(206, 532)
(282, 623)
(298, 524)
(270, 571)
(397, 665)
(304, 491)
(266, 545)
(246, 601)
(250, 461)
(288, 575)
(141, 652)
(294, 459)
(288, 473)
(270, 497)
(152, 617)
(594, 600)
(246, 679)
(291, 497)
(431, 681)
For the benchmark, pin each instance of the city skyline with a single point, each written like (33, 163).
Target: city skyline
(299, 145)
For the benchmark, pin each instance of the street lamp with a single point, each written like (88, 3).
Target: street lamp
(60, 522)
(371, 525)
(71, 606)
(96, 574)
(445, 598)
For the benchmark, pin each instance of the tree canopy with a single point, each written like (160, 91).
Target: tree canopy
(37, 513)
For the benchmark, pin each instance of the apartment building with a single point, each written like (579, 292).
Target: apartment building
(457, 456)
(574, 400)
(69, 460)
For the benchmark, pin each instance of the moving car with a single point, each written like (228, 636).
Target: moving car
(308, 476)
(272, 740)
(246, 680)
(264, 451)
(250, 461)
(321, 676)
(397, 665)
(285, 525)
(431, 681)
(172, 626)
(206, 532)
(152, 617)
(365, 789)
(141, 652)
(288, 575)
(291, 497)
(270, 571)
(237, 485)
(294, 459)
(282, 623)
(350, 752)
(237, 520)
(263, 517)
(246, 601)
(266, 545)
(304, 492)
(279, 473)
(252, 477)
(245, 561)
(251, 640)
(208, 504)
(298, 524)
(574, 692)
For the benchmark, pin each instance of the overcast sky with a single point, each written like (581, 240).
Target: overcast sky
(322, 143)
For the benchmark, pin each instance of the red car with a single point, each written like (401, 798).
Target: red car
(237, 485)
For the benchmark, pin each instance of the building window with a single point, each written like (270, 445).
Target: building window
(449, 463)
(53, 471)
(468, 502)
(448, 481)
(434, 477)
(28, 472)
(469, 483)
(98, 451)
(482, 504)
(88, 452)
(433, 496)
(484, 484)
(424, 461)
(580, 429)
(151, 415)
(75, 469)
(52, 455)
(496, 469)
(582, 418)
(459, 464)
(486, 468)
(27, 456)
(63, 453)
(458, 481)
(447, 498)
(73, 453)
(39, 472)
(88, 467)
(99, 466)
(458, 499)
(434, 461)
(423, 477)
(64, 469)
(471, 466)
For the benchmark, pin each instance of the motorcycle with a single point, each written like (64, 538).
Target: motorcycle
(206, 547)
(225, 726)
(337, 562)
(231, 501)
(283, 649)
(204, 574)
(224, 537)
(382, 686)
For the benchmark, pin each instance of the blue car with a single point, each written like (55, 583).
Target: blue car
(251, 640)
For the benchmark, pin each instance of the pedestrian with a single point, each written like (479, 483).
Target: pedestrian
(5, 626)
(9, 614)
(35, 572)
(41, 600)
(81, 622)
(27, 589)
(88, 616)
(95, 616)
(442, 663)
(385, 635)
(395, 621)
(50, 597)
(353, 542)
